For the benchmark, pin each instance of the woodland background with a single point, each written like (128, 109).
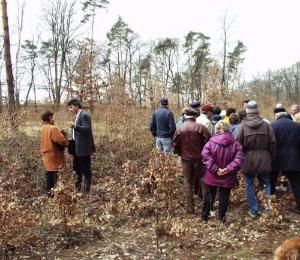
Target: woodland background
(136, 208)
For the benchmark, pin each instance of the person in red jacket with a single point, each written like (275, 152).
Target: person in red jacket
(188, 143)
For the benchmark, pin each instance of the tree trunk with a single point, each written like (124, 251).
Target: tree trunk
(8, 66)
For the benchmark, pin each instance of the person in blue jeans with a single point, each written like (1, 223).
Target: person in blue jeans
(162, 126)
(259, 146)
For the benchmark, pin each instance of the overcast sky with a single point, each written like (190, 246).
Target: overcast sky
(269, 29)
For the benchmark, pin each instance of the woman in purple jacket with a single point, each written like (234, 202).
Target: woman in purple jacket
(223, 157)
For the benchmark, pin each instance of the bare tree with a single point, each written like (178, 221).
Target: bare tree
(8, 66)
(226, 24)
(20, 16)
(59, 20)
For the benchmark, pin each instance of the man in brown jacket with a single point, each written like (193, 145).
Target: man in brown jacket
(188, 143)
(52, 143)
(258, 141)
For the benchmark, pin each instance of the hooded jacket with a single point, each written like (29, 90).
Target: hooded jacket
(287, 135)
(259, 146)
(222, 151)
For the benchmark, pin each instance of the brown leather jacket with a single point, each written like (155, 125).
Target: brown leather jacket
(190, 139)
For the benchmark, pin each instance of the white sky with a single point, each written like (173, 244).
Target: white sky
(269, 28)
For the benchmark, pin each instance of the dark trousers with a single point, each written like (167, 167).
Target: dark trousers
(273, 180)
(209, 198)
(82, 166)
(294, 179)
(51, 179)
(191, 170)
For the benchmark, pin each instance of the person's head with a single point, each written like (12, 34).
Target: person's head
(74, 105)
(47, 117)
(234, 119)
(242, 115)
(217, 110)
(245, 102)
(229, 111)
(191, 113)
(222, 126)
(279, 111)
(294, 109)
(297, 118)
(164, 102)
(195, 105)
(208, 110)
(252, 108)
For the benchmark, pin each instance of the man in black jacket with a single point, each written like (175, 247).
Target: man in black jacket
(287, 160)
(162, 126)
(84, 144)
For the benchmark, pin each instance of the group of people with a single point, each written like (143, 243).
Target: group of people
(80, 146)
(215, 145)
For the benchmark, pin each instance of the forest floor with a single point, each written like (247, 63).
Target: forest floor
(136, 206)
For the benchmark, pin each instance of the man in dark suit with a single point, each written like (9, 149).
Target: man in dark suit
(84, 144)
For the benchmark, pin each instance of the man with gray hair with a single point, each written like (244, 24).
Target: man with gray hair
(287, 161)
(294, 110)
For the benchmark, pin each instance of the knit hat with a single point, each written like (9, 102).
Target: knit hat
(279, 110)
(252, 107)
(195, 104)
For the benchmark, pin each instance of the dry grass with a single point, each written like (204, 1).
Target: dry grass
(136, 207)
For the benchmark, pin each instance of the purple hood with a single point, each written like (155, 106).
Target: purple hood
(223, 139)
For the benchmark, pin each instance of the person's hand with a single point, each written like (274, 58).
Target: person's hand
(222, 172)
(71, 124)
(65, 134)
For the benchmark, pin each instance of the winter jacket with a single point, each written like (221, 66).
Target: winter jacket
(84, 140)
(222, 151)
(51, 142)
(162, 123)
(203, 119)
(287, 135)
(258, 141)
(189, 140)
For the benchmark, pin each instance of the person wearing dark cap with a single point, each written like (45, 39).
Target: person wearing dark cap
(206, 116)
(162, 126)
(82, 136)
(188, 143)
(195, 105)
(258, 141)
(287, 161)
(216, 117)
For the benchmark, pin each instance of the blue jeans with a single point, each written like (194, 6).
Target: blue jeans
(264, 182)
(164, 144)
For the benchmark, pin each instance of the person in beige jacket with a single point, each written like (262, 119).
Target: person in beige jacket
(53, 142)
